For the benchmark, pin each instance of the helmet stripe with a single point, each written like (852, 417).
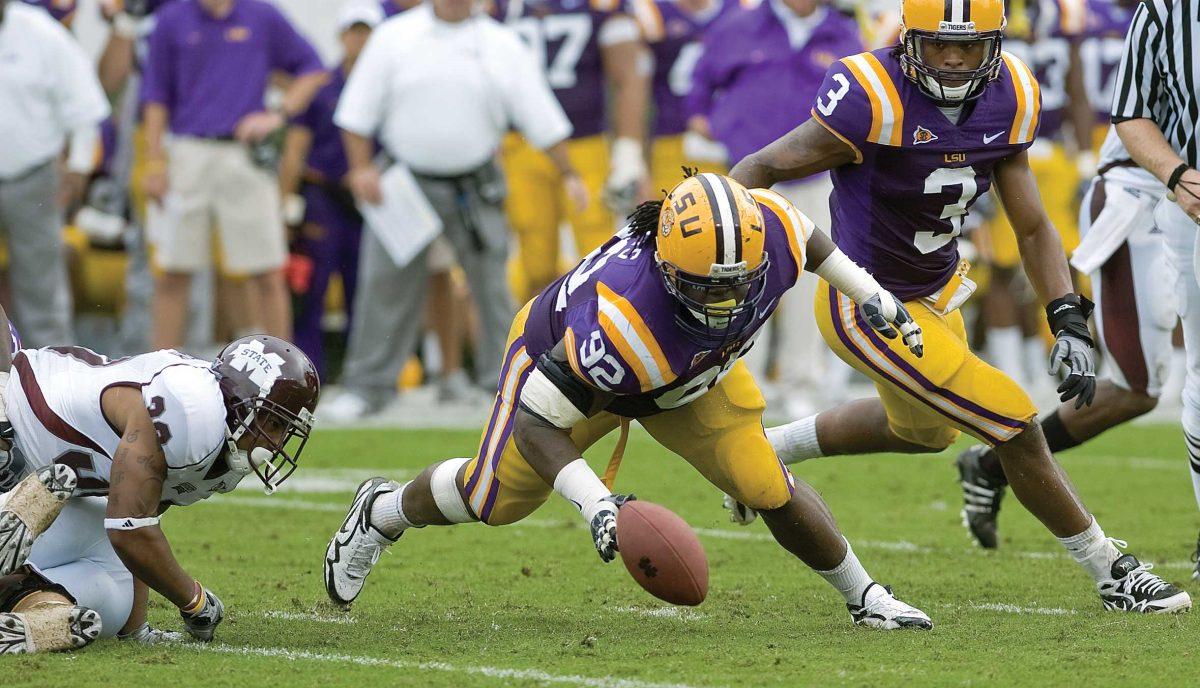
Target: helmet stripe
(966, 10)
(737, 218)
(722, 218)
(948, 10)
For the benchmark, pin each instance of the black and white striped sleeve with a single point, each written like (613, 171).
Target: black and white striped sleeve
(1138, 81)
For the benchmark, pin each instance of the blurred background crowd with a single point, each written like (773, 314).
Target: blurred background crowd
(386, 183)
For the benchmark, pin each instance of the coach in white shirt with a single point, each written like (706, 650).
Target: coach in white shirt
(48, 92)
(439, 86)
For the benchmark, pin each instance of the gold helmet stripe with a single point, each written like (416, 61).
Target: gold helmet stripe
(723, 219)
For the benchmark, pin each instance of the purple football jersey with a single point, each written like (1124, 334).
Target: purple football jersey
(619, 323)
(898, 211)
(674, 35)
(1056, 25)
(564, 35)
(1101, 51)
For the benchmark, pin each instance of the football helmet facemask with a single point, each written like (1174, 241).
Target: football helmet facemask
(974, 26)
(271, 390)
(710, 249)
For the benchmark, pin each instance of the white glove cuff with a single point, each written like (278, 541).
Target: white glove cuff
(847, 277)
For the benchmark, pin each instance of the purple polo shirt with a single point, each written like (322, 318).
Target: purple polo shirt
(209, 73)
(753, 86)
(327, 157)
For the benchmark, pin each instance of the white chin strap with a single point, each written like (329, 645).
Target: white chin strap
(244, 463)
(951, 93)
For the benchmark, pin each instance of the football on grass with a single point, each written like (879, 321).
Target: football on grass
(662, 553)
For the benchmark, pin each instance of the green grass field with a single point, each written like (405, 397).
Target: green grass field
(531, 604)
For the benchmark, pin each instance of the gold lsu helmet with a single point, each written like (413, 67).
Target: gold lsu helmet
(711, 250)
(976, 24)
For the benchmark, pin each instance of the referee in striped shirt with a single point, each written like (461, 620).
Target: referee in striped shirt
(1157, 114)
(1155, 104)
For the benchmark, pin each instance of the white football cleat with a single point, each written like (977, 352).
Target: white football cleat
(1133, 588)
(29, 509)
(880, 609)
(49, 628)
(356, 546)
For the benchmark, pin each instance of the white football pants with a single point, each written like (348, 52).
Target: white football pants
(1180, 233)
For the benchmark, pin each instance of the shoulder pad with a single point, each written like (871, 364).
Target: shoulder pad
(1028, 95)
(795, 223)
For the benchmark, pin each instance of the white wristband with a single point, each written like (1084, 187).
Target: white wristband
(582, 487)
(847, 277)
(130, 523)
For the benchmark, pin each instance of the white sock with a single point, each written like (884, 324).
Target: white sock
(1004, 350)
(387, 513)
(795, 441)
(849, 577)
(581, 486)
(1093, 551)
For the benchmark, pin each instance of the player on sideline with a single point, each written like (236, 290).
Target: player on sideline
(649, 326)
(101, 448)
(913, 135)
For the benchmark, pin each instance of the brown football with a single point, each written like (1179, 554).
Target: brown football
(662, 553)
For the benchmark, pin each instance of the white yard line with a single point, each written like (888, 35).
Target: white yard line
(680, 613)
(307, 617)
(1011, 608)
(499, 673)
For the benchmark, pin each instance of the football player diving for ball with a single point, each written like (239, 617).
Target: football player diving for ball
(913, 134)
(650, 326)
(98, 449)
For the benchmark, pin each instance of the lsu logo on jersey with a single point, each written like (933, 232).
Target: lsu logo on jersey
(923, 135)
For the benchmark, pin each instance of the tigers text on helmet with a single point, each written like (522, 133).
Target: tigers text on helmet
(710, 247)
(271, 391)
(973, 27)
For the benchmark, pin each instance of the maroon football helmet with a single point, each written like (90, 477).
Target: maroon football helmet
(271, 390)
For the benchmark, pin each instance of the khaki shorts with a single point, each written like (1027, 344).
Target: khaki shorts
(215, 183)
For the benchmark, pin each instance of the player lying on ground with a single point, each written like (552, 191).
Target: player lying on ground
(913, 135)
(650, 326)
(100, 449)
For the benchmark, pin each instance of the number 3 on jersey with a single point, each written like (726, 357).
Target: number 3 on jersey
(935, 183)
(829, 102)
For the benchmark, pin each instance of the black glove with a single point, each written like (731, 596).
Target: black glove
(604, 526)
(203, 623)
(1073, 349)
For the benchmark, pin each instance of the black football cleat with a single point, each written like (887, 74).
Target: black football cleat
(981, 497)
(1133, 588)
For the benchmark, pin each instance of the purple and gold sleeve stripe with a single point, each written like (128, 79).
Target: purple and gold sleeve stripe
(626, 329)
(798, 226)
(866, 345)
(1029, 101)
(887, 112)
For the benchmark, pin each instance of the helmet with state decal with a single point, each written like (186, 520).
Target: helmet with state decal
(711, 250)
(271, 391)
(951, 48)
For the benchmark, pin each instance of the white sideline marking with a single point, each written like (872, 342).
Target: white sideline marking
(664, 612)
(279, 503)
(488, 671)
(306, 616)
(327, 480)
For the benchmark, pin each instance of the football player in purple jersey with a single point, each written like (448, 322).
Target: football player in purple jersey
(913, 135)
(650, 327)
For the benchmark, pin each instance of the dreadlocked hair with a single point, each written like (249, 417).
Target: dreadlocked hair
(643, 221)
